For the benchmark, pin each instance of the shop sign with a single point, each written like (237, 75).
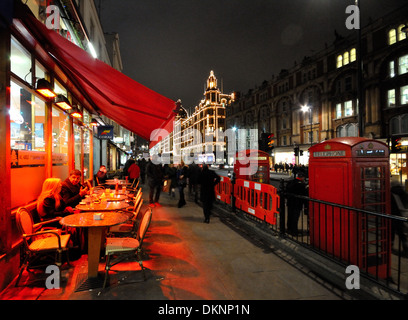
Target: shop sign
(105, 132)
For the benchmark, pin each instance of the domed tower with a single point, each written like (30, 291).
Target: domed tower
(212, 93)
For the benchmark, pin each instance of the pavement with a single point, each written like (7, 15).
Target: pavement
(188, 260)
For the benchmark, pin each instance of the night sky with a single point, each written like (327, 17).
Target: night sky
(171, 46)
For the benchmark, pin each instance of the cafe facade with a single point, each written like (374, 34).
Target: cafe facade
(51, 90)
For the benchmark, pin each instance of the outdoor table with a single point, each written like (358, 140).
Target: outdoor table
(112, 182)
(96, 234)
(103, 206)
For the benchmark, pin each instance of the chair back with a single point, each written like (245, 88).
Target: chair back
(24, 221)
(144, 225)
(137, 199)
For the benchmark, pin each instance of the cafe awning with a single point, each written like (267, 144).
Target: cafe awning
(113, 94)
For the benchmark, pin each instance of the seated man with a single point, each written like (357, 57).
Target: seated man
(72, 191)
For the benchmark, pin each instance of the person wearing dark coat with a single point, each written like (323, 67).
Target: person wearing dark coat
(208, 179)
(400, 209)
(155, 176)
(193, 176)
(295, 187)
(72, 192)
(182, 172)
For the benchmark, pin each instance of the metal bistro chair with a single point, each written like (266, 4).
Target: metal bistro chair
(130, 227)
(40, 241)
(120, 249)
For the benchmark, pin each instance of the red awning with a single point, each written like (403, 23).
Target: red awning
(113, 94)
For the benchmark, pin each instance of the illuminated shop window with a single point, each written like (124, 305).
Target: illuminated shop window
(27, 120)
(60, 129)
(20, 61)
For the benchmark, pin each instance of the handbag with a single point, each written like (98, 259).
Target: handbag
(166, 185)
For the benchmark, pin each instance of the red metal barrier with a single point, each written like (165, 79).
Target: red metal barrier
(258, 199)
(223, 190)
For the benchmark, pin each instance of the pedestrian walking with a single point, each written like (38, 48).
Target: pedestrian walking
(154, 175)
(399, 207)
(295, 187)
(208, 180)
(182, 182)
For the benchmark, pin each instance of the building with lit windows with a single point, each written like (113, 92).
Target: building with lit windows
(317, 99)
(199, 136)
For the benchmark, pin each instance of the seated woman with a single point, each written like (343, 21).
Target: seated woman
(50, 204)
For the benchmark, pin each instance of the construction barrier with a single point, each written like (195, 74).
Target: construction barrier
(258, 199)
(223, 190)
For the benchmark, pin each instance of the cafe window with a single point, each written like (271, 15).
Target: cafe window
(60, 130)
(77, 146)
(27, 120)
(20, 61)
(87, 147)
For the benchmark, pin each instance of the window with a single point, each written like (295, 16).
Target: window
(404, 95)
(391, 98)
(401, 34)
(403, 64)
(27, 117)
(353, 55)
(348, 108)
(60, 125)
(339, 61)
(392, 69)
(392, 37)
(348, 130)
(346, 58)
(338, 110)
(20, 61)
(399, 124)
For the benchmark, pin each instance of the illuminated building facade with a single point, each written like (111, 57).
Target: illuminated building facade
(199, 136)
(317, 99)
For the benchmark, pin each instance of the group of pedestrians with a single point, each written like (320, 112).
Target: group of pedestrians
(179, 177)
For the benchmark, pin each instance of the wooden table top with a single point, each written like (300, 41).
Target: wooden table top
(103, 206)
(86, 219)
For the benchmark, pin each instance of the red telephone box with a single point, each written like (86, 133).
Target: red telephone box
(244, 166)
(353, 172)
